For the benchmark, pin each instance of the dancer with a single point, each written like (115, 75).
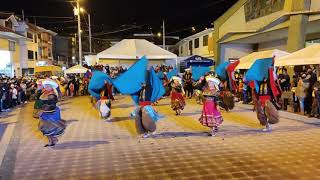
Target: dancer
(104, 104)
(211, 116)
(145, 89)
(265, 92)
(51, 125)
(100, 88)
(177, 93)
(38, 102)
(187, 78)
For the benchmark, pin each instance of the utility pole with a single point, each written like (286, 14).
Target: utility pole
(79, 33)
(163, 35)
(22, 15)
(89, 17)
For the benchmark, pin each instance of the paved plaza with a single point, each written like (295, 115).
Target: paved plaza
(181, 149)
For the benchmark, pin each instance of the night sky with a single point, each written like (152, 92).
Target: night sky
(119, 18)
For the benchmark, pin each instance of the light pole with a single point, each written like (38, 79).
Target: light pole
(163, 35)
(90, 46)
(79, 32)
(89, 19)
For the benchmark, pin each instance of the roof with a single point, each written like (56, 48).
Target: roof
(5, 15)
(247, 61)
(32, 26)
(135, 49)
(8, 30)
(199, 34)
(306, 56)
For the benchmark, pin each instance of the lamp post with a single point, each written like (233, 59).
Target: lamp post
(89, 19)
(77, 12)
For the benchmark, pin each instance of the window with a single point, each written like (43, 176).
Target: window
(29, 35)
(49, 53)
(12, 45)
(36, 55)
(196, 43)
(181, 49)
(190, 45)
(35, 38)
(30, 55)
(205, 40)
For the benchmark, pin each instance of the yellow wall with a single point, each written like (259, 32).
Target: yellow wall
(4, 44)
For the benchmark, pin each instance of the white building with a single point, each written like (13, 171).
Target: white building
(198, 44)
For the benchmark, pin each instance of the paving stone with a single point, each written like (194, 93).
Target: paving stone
(94, 149)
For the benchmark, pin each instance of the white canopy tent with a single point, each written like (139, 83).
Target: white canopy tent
(306, 56)
(77, 69)
(129, 50)
(247, 61)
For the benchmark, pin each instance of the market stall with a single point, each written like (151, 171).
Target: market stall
(307, 56)
(247, 61)
(128, 51)
(47, 70)
(77, 69)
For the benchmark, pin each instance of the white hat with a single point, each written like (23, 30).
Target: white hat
(213, 79)
(176, 78)
(54, 77)
(53, 84)
(188, 69)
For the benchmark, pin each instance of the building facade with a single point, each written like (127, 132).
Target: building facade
(258, 25)
(37, 49)
(198, 44)
(64, 52)
(10, 45)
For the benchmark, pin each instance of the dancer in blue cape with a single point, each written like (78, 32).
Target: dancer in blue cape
(266, 91)
(145, 87)
(100, 87)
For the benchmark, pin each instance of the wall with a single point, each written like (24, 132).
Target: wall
(205, 51)
(315, 5)
(279, 44)
(228, 51)
(14, 55)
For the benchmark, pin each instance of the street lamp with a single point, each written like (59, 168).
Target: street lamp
(89, 19)
(77, 13)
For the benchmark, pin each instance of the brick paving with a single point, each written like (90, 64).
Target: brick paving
(94, 149)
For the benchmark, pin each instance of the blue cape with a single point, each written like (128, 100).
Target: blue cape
(197, 72)
(96, 83)
(172, 73)
(221, 70)
(259, 70)
(160, 74)
(157, 87)
(130, 81)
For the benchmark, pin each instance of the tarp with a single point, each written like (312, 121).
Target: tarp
(197, 72)
(172, 73)
(77, 69)
(130, 81)
(157, 87)
(52, 68)
(198, 61)
(134, 49)
(221, 70)
(306, 56)
(96, 83)
(247, 61)
(259, 70)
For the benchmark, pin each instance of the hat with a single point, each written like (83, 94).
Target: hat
(51, 83)
(188, 69)
(216, 81)
(54, 77)
(49, 108)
